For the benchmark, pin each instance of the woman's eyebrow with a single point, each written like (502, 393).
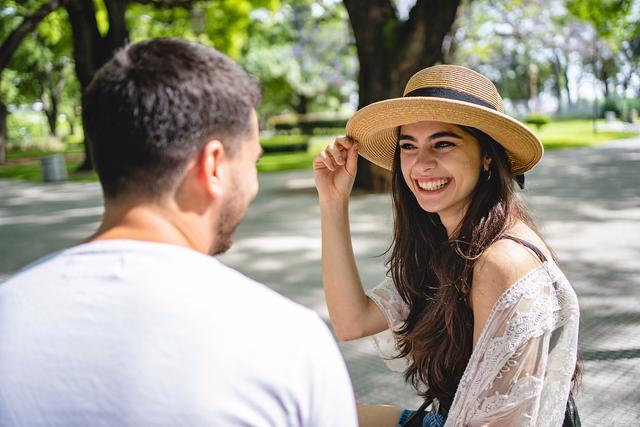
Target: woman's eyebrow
(432, 137)
(409, 137)
(444, 135)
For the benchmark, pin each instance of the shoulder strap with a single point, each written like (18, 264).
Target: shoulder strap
(529, 245)
(415, 420)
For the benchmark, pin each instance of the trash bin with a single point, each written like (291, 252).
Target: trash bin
(53, 168)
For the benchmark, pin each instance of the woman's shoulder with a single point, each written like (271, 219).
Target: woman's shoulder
(504, 263)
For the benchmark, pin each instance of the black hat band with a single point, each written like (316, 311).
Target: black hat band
(443, 92)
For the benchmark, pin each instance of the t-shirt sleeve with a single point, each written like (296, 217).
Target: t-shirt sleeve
(330, 398)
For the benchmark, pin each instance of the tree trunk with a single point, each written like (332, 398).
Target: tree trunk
(302, 106)
(49, 96)
(90, 49)
(390, 51)
(566, 87)
(557, 70)
(52, 119)
(4, 135)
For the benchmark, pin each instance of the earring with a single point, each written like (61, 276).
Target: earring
(488, 174)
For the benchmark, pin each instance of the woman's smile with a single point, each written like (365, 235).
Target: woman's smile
(441, 164)
(432, 185)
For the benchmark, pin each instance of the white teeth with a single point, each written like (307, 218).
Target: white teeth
(433, 184)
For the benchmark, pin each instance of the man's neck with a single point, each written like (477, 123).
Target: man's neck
(151, 223)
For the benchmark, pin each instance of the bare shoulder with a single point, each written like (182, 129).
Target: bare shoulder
(502, 265)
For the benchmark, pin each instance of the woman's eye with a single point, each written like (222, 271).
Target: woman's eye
(407, 146)
(443, 144)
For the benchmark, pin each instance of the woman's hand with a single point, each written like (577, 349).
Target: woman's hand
(335, 169)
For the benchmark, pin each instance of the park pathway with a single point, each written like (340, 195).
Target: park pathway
(586, 201)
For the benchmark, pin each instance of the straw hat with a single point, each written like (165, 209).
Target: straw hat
(449, 94)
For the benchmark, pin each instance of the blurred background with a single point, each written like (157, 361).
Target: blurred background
(567, 68)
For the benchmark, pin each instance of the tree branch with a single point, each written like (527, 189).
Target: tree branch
(161, 4)
(28, 24)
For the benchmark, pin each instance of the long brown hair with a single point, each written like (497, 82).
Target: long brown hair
(433, 272)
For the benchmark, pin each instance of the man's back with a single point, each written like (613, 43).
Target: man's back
(120, 332)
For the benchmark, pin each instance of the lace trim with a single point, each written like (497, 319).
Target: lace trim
(550, 303)
(525, 389)
(523, 319)
(396, 311)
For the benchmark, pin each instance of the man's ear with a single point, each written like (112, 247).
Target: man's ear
(210, 165)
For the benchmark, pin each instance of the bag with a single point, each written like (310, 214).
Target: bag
(415, 420)
(571, 417)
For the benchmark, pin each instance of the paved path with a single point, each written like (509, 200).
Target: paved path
(587, 202)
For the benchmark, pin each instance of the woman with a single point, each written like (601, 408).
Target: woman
(487, 322)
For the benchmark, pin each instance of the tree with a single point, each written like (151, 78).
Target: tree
(8, 48)
(44, 69)
(100, 28)
(390, 50)
(616, 29)
(303, 56)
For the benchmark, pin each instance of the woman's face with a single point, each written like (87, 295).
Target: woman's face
(441, 165)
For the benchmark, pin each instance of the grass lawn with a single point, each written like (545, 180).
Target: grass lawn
(297, 160)
(555, 135)
(30, 171)
(575, 133)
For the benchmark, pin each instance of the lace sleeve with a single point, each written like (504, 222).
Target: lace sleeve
(520, 371)
(396, 311)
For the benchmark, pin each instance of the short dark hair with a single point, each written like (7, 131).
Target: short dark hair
(154, 106)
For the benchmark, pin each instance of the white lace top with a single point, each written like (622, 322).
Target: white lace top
(519, 373)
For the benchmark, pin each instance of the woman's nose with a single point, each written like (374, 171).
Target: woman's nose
(425, 161)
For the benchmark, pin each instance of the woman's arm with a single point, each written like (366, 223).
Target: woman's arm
(353, 314)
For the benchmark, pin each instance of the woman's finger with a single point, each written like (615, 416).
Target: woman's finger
(327, 160)
(336, 153)
(344, 142)
(352, 160)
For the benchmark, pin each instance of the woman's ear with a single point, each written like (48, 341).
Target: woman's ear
(486, 162)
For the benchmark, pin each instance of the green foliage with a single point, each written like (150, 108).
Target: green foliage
(538, 120)
(285, 143)
(222, 24)
(308, 123)
(31, 171)
(296, 160)
(605, 15)
(621, 106)
(303, 56)
(611, 104)
(23, 126)
(599, 37)
(41, 71)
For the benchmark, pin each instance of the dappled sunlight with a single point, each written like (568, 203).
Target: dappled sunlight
(22, 193)
(52, 218)
(270, 244)
(37, 219)
(586, 201)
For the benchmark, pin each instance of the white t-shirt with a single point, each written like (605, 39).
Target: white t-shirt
(115, 333)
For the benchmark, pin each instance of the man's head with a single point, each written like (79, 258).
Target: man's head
(163, 105)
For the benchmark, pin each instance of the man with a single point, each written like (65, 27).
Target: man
(140, 326)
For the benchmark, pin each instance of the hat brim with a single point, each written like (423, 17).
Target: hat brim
(375, 128)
